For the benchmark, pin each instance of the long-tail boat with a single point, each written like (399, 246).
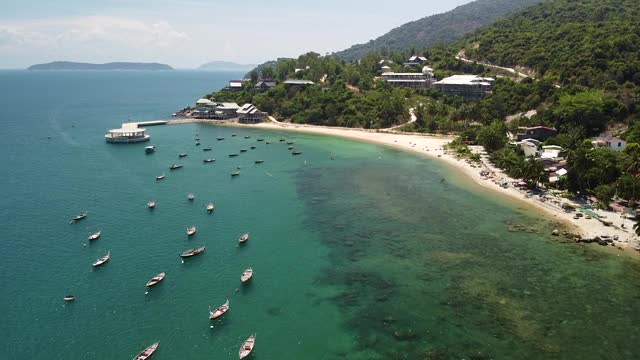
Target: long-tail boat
(156, 279)
(102, 260)
(192, 252)
(247, 347)
(246, 275)
(191, 230)
(219, 311)
(244, 238)
(146, 353)
(94, 236)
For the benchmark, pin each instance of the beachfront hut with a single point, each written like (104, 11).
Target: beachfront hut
(249, 114)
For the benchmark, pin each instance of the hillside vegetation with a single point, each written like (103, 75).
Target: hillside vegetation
(588, 43)
(441, 28)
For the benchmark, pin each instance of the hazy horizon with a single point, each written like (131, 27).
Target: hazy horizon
(187, 34)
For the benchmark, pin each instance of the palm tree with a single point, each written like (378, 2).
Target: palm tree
(532, 172)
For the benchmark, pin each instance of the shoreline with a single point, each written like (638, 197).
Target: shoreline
(432, 146)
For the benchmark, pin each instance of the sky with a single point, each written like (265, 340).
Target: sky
(188, 33)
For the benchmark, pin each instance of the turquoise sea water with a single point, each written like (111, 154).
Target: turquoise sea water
(366, 256)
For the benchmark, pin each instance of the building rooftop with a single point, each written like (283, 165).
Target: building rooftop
(466, 80)
(205, 102)
(298, 82)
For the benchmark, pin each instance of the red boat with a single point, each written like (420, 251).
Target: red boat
(156, 279)
(191, 230)
(247, 347)
(95, 236)
(219, 311)
(244, 238)
(146, 353)
(192, 252)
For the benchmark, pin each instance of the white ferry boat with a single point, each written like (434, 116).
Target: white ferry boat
(128, 133)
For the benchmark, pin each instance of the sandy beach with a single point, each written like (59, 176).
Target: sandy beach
(620, 231)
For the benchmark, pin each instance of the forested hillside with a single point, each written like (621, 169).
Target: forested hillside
(586, 42)
(443, 28)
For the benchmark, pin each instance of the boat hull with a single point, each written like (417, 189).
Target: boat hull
(126, 140)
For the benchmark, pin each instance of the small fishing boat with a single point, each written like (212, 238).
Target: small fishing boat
(156, 279)
(151, 204)
(247, 136)
(190, 197)
(207, 149)
(244, 238)
(197, 143)
(296, 152)
(69, 297)
(209, 160)
(149, 149)
(253, 148)
(268, 142)
(146, 353)
(219, 311)
(160, 177)
(243, 150)
(281, 139)
(191, 230)
(289, 142)
(79, 217)
(175, 166)
(235, 173)
(233, 155)
(182, 155)
(210, 207)
(192, 252)
(102, 260)
(246, 275)
(233, 135)
(290, 147)
(94, 236)
(220, 138)
(247, 347)
(259, 161)
(260, 139)
(197, 138)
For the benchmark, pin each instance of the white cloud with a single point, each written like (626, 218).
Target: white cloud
(89, 38)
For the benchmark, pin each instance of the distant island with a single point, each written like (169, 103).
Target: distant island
(225, 66)
(68, 65)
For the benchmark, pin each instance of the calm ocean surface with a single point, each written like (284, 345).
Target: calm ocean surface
(367, 256)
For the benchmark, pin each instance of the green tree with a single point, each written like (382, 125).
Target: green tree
(604, 194)
(532, 172)
(493, 137)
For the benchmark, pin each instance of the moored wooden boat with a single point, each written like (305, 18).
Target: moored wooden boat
(235, 173)
(102, 260)
(220, 138)
(233, 155)
(282, 139)
(175, 166)
(243, 150)
(210, 207)
(244, 238)
(260, 139)
(192, 252)
(233, 135)
(247, 347)
(209, 160)
(69, 297)
(160, 177)
(191, 230)
(182, 155)
(156, 279)
(146, 353)
(289, 142)
(296, 152)
(259, 161)
(247, 136)
(190, 196)
(151, 204)
(95, 235)
(290, 147)
(207, 149)
(246, 275)
(80, 217)
(197, 143)
(253, 148)
(149, 149)
(221, 310)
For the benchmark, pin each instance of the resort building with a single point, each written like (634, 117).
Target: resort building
(205, 103)
(128, 133)
(415, 61)
(611, 143)
(422, 80)
(207, 109)
(236, 85)
(298, 83)
(551, 152)
(540, 133)
(530, 148)
(263, 85)
(225, 111)
(249, 114)
(468, 87)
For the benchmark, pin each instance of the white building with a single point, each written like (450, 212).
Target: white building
(249, 114)
(611, 143)
(529, 148)
(551, 152)
(469, 87)
(422, 80)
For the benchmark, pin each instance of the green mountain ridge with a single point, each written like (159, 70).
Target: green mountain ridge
(440, 28)
(69, 65)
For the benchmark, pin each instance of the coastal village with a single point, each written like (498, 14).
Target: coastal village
(612, 226)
